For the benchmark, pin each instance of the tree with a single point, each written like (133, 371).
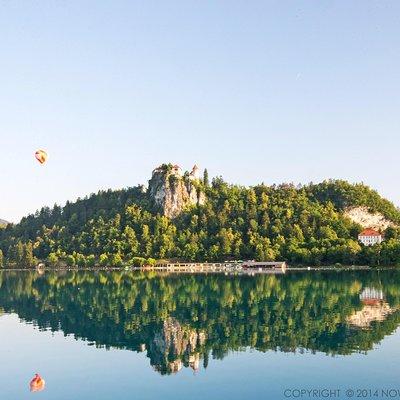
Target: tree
(130, 241)
(103, 260)
(19, 253)
(80, 260)
(138, 261)
(303, 224)
(1, 259)
(90, 261)
(146, 241)
(70, 260)
(28, 260)
(116, 260)
(206, 180)
(52, 259)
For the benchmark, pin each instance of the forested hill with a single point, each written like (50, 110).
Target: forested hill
(212, 221)
(343, 195)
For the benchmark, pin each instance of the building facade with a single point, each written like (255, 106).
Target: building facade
(369, 237)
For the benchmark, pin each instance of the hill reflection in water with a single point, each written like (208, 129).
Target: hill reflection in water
(186, 320)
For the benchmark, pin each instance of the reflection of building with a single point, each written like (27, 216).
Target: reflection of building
(176, 345)
(265, 266)
(375, 309)
(194, 361)
(175, 366)
(371, 296)
(369, 237)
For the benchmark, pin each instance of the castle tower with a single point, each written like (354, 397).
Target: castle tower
(195, 173)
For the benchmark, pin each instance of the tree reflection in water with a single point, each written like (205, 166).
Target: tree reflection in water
(184, 320)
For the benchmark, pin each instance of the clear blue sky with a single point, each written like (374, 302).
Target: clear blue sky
(256, 91)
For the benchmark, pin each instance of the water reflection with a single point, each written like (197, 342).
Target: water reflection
(186, 320)
(375, 309)
(175, 346)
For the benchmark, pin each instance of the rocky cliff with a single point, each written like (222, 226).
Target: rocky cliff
(172, 190)
(367, 219)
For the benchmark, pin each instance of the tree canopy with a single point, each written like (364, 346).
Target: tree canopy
(302, 225)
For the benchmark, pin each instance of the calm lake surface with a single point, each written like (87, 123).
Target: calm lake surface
(130, 335)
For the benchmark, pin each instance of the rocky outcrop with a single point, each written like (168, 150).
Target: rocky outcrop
(363, 217)
(176, 345)
(172, 191)
(371, 312)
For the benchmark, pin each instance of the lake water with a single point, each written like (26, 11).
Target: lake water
(124, 335)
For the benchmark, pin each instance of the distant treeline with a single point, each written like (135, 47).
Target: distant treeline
(302, 225)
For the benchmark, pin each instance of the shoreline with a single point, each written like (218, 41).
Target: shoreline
(226, 272)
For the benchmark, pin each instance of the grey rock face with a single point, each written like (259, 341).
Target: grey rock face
(172, 191)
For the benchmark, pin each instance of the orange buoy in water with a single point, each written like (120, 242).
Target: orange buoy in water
(37, 383)
(41, 156)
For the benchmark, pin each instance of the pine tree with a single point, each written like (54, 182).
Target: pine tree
(205, 178)
(19, 253)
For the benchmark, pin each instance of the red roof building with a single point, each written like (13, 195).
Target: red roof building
(369, 232)
(369, 237)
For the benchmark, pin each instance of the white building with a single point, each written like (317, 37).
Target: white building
(369, 237)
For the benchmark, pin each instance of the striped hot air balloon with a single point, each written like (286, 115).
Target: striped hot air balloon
(41, 156)
(37, 384)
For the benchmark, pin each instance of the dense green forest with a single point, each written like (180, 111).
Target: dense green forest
(299, 224)
(206, 315)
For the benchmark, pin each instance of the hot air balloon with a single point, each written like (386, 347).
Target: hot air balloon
(41, 156)
(37, 383)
